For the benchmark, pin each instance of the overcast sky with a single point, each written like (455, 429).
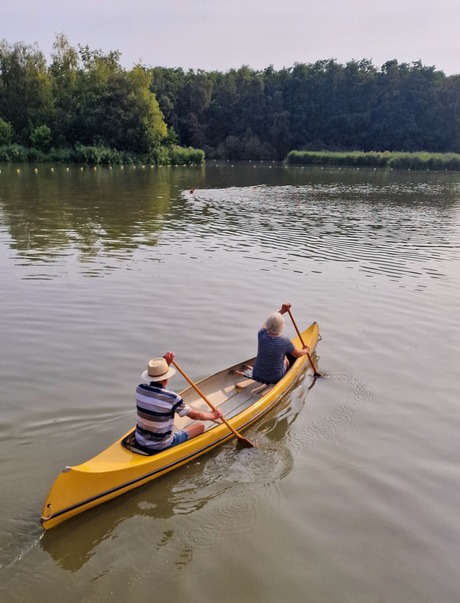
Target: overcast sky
(217, 35)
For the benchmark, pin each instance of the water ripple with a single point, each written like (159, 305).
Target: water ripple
(310, 224)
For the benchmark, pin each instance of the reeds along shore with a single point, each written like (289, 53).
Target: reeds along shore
(100, 155)
(412, 161)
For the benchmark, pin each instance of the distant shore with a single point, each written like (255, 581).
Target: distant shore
(413, 161)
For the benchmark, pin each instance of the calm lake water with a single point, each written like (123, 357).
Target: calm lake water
(353, 492)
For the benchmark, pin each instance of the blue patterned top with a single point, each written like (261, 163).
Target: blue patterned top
(272, 349)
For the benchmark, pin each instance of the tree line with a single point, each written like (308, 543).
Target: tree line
(84, 97)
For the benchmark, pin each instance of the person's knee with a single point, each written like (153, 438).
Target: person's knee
(194, 430)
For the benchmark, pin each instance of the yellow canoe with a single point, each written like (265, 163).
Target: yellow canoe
(119, 468)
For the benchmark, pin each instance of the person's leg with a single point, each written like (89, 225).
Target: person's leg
(194, 430)
(290, 360)
(179, 437)
(188, 432)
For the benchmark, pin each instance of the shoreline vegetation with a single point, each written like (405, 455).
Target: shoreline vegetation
(422, 161)
(100, 155)
(81, 106)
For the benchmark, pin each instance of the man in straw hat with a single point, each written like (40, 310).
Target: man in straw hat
(156, 406)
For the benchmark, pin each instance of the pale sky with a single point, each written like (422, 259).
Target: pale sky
(216, 35)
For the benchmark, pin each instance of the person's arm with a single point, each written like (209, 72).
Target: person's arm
(284, 308)
(298, 353)
(204, 416)
(197, 415)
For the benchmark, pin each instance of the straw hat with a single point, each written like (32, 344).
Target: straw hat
(158, 370)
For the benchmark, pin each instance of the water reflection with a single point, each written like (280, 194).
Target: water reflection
(93, 213)
(102, 218)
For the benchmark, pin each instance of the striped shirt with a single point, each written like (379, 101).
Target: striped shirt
(156, 406)
(272, 349)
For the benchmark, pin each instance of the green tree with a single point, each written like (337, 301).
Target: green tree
(6, 132)
(26, 98)
(41, 138)
(65, 75)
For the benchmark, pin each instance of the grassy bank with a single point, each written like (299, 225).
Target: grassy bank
(412, 161)
(99, 155)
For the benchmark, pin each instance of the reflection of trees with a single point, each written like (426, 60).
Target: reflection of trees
(93, 211)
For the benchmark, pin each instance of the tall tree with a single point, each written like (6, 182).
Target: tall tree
(26, 99)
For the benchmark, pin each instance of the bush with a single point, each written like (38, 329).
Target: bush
(41, 138)
(6, 132)
(97, 154)
(183, 156)
(13, 153)
(408, 161)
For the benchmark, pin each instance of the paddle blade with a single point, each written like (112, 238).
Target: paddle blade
(245, 442)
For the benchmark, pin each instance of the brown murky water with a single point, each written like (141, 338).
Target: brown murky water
(354, 490)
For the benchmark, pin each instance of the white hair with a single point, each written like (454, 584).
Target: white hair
(275, 324)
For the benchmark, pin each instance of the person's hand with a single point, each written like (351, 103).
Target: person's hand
(216, 415)
(306, 349)
(285, 307)
(169, 357)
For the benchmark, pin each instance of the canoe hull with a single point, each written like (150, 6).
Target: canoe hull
(117, 470)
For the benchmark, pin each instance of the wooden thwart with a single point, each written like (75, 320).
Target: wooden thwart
(248, 382)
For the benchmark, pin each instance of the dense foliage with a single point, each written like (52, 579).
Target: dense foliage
(85, 100)
(81, 107)
(322, 106)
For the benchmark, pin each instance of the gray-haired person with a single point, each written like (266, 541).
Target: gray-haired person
(275, 352)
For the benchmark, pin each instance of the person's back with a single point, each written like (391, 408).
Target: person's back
(275, 352)
(269, 365)
(156, 406)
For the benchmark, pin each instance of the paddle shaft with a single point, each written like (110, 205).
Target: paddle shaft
(242, 439)
(303, 345)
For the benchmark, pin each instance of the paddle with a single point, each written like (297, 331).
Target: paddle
(243, 440)
(316, 374)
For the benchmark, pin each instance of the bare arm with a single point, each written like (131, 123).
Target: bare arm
(298, 353)
(204, 416)
(196, 414)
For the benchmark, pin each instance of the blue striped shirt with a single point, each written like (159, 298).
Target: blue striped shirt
(156, 406)
(272, 349)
